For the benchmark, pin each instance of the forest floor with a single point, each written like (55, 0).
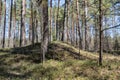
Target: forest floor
(63, 63)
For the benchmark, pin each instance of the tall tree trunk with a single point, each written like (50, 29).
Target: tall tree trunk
(3, 45)
(10, 25)
(67, 19)
(14, 41)
(45, 30)
(57, 26)
(100, 32)
(82, 32)
(19, 30)
(31, 23)
(22, 30)
(85, 25)
(50, 21)
(76, 35)
(33, 26)
(0, 20)
(73, 28)
(55, 17)
(36, 31)
(0, 11)
(64, 26)
(79, 33)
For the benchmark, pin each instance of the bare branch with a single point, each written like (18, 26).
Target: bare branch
(111, 27)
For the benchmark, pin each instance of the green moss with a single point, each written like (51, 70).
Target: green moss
(63, 63)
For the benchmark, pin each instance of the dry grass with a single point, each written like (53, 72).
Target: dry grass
(90, 54)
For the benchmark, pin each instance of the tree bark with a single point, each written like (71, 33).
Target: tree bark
(50, 20)
(57, 26)
(0, 11)
(14, 41)
(4, 33)
(0, 20)
(10, 24)
(100, 32)
(64, 26)
(85, 25)
(33, 26)
(73, 26)
(78, 26)
(45, 30)
(22, 30)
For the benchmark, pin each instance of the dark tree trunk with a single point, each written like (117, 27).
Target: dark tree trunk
(100, 32)
(36, 31)
(22, 30)
(33, 27)
(3, 45)
(63, 30)
(14, 41)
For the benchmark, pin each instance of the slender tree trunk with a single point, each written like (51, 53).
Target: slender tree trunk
(67, 19)
(14, 41)
(64, 27)
(21, 34)
(85, 25)
(10, 25)
(57, 26)
(19, 30)
(36, 31)
(0, 12)
(82, 32)
(51, 20)
(22, 30)
(100, 32)
(76, 35)
(24, 12)
(55, 17)
(31, 23)
(79, 33)
(0, 20)
(33, 26)
(4, 33)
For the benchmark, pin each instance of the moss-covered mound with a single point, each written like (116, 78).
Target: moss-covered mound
(63, 62)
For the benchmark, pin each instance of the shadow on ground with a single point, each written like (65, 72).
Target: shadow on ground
(63, 61)
(12, 60)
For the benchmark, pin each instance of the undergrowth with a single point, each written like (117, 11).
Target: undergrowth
(63, 63)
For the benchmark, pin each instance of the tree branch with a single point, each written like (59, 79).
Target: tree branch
(111, 27)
